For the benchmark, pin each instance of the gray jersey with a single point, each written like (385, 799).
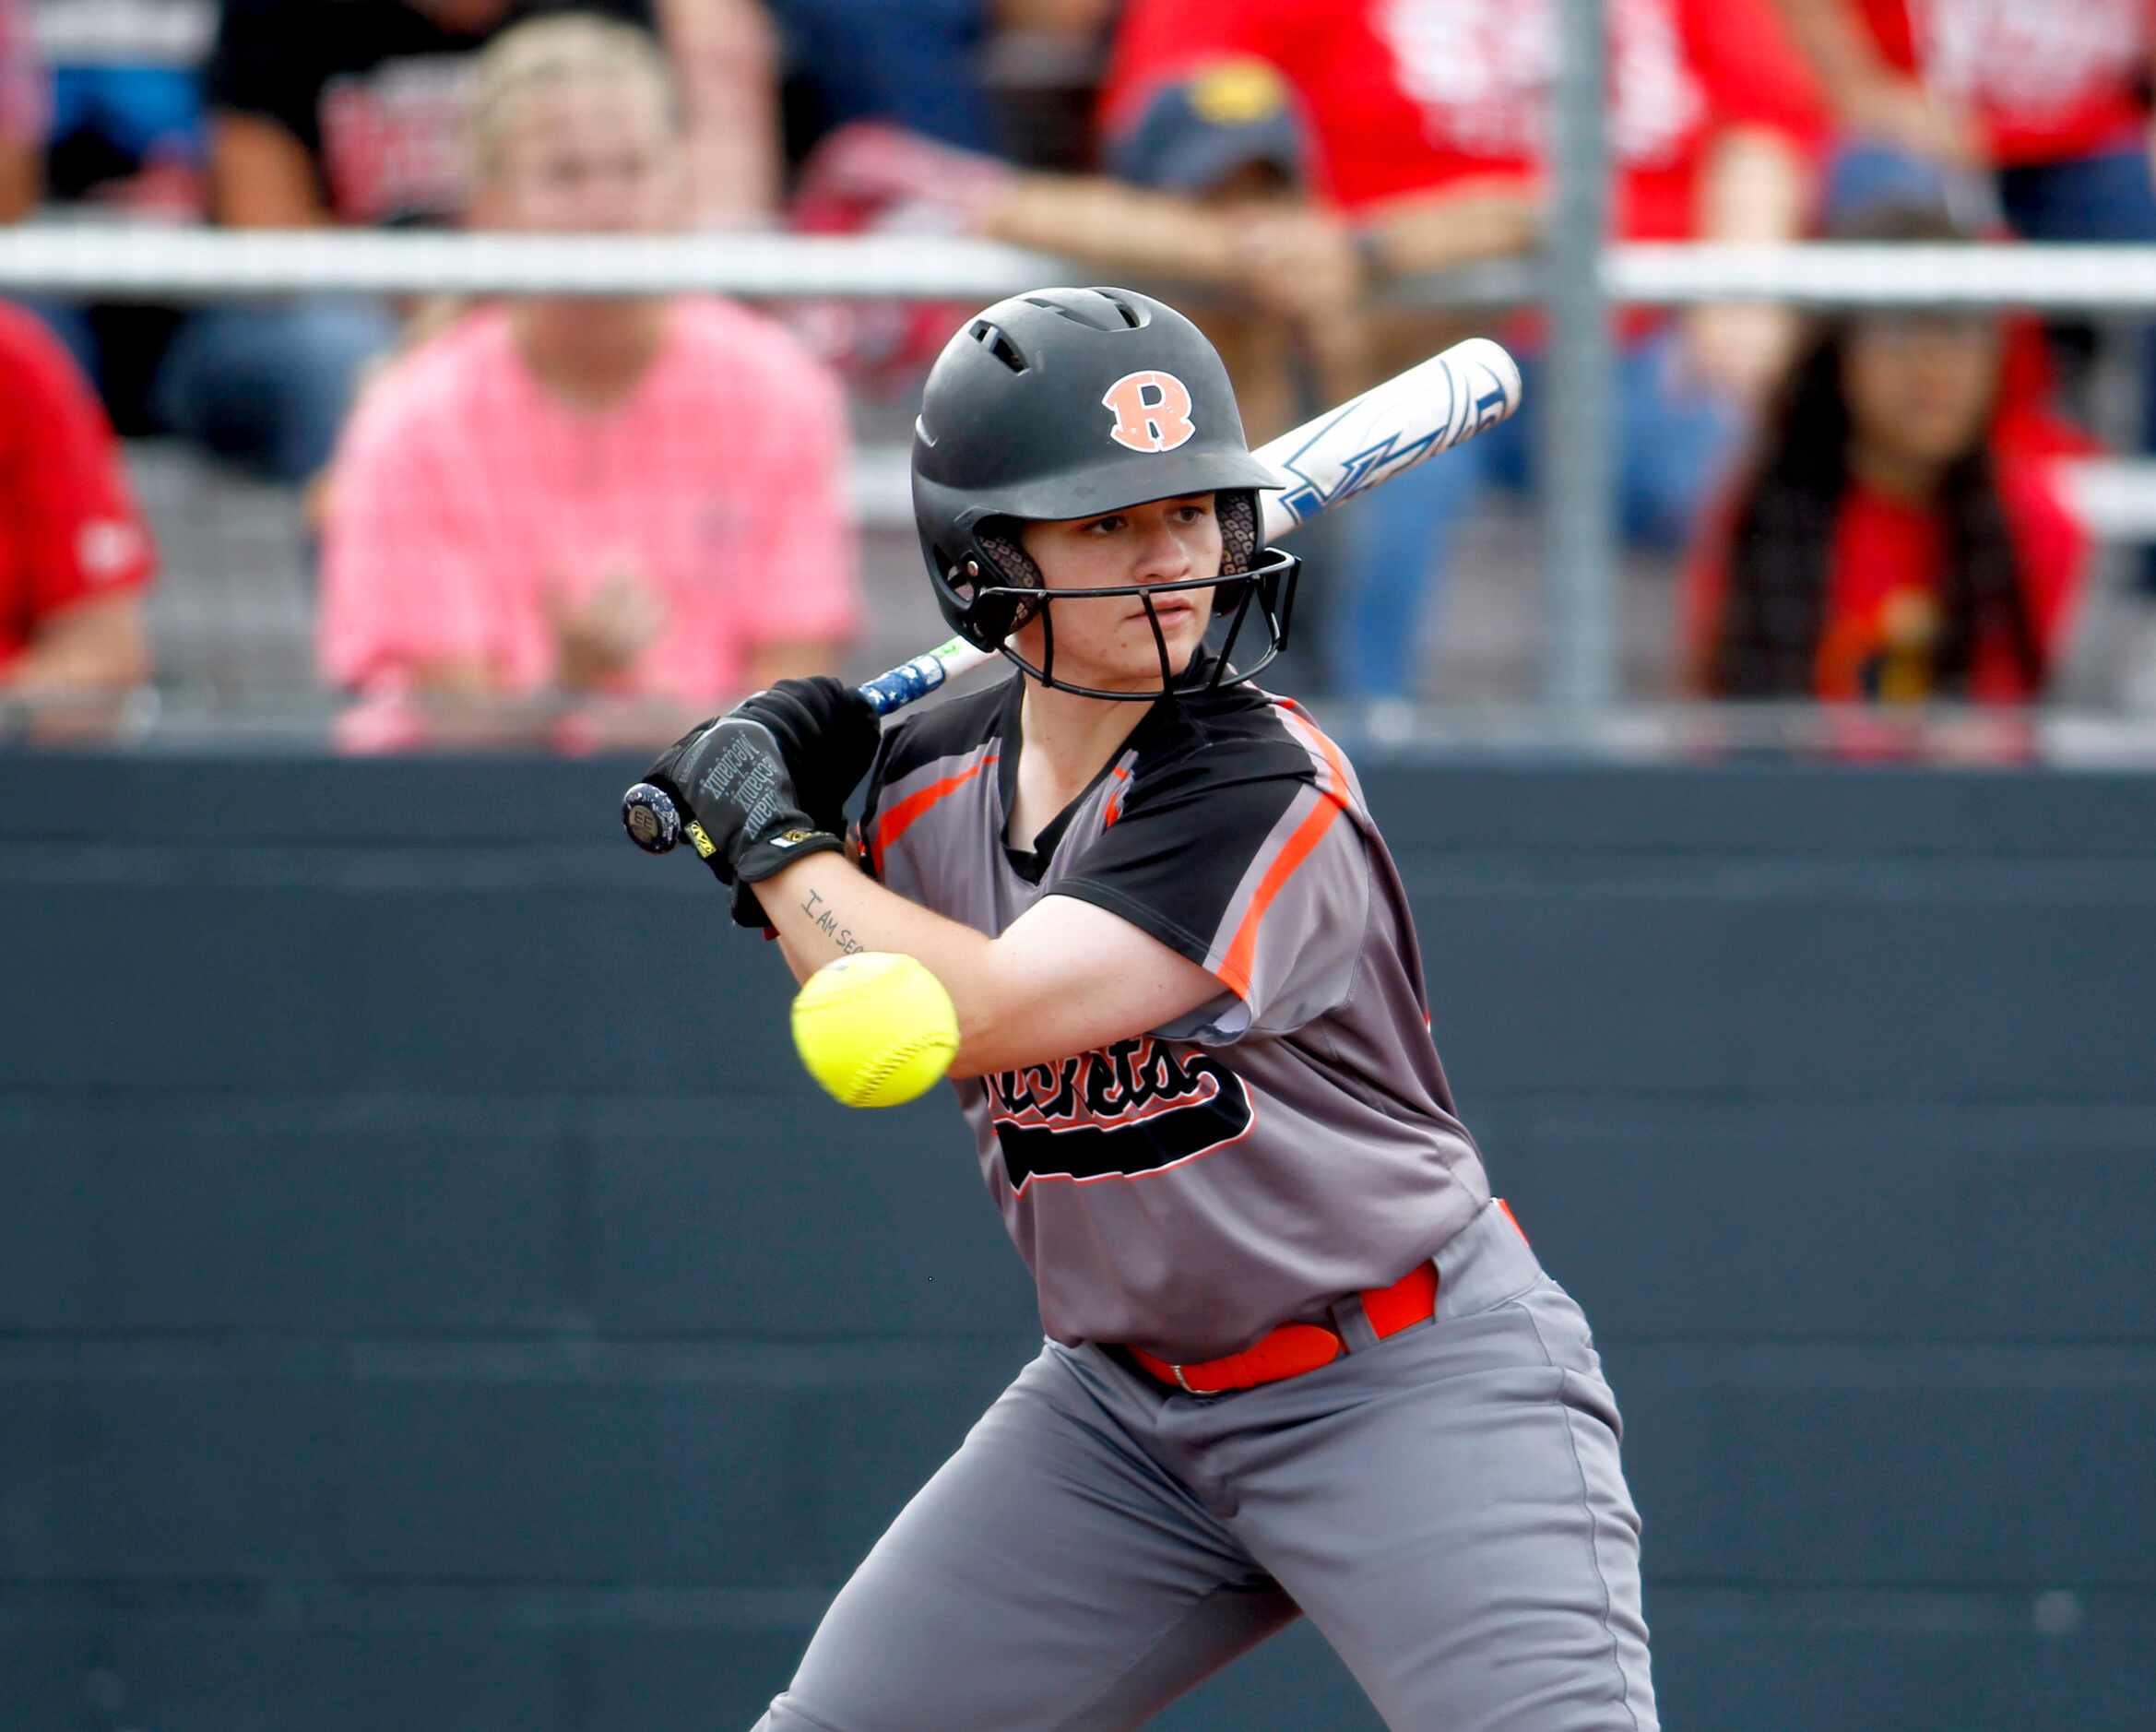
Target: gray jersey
(1292, 1140)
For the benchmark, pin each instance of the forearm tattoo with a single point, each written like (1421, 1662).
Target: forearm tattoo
(820, 911)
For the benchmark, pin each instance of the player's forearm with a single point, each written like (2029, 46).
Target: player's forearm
(825, 908)
(1064, 976)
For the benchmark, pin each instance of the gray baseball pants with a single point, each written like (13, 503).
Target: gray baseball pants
(1446, 1505)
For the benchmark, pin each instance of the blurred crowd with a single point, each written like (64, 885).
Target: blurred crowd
(581, 520)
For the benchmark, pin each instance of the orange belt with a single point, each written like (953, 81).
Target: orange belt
(1294, 1349)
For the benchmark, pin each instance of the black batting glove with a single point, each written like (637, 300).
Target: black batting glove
(828, 735)
(738, 801)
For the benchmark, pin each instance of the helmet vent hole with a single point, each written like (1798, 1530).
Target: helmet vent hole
(992, 339)
(1132, 317)
(1096, 309)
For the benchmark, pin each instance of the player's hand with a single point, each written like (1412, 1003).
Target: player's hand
(828, 736)
(738, 800)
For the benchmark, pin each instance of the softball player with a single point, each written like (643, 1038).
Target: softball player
(1297, 1358)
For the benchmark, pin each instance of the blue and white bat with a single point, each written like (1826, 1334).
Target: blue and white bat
(1367, 440)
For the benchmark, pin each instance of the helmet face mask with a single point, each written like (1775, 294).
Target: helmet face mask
(1073, 403)
(1266, 590)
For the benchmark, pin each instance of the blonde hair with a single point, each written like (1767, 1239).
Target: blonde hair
(543, 53)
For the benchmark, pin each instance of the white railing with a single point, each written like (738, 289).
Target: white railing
(2083, 278)
(2116, 499)
(192, 264)
(212, 264)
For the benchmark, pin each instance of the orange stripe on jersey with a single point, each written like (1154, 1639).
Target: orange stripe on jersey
(1300, 723)
(1234, 966)
(893, 823)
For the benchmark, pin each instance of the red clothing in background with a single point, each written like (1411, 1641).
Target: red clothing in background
(2047, 79)
(1885, 576)
(68, 531)
(1410, 96)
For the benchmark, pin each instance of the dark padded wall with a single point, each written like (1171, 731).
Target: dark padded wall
(432, 1296)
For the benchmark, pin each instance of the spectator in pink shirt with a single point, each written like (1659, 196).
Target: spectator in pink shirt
(593, 517)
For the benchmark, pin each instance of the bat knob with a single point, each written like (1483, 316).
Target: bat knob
(649, 815)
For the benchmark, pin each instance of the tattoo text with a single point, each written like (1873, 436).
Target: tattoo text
(828, 924)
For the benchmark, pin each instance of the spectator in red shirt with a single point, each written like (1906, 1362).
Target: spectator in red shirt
(1429, 117)
(1900, 537)
(623, 509)
(73, 554)
(2049, 96)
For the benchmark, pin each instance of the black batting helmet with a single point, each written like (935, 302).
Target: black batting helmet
(1071, 403)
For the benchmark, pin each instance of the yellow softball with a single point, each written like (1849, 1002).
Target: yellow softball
(875, 1029)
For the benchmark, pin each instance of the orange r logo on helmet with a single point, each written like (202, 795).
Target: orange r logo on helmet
(1153, 411)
